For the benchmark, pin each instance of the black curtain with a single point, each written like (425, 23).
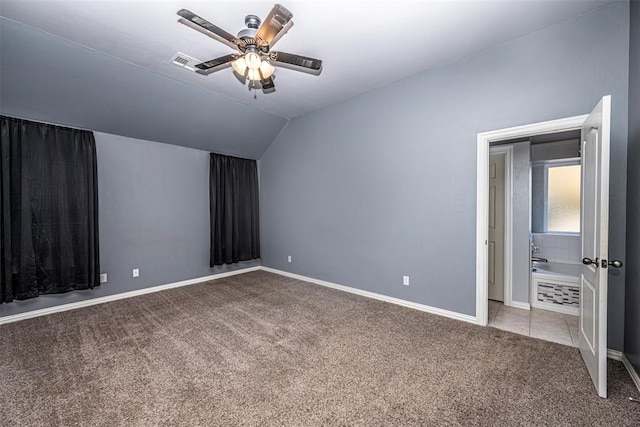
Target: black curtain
(48, 210)
(233, 198)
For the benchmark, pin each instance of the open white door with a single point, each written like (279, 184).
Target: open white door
(595, 243)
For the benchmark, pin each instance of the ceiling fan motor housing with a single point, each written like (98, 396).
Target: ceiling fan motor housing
(252, 21)
(248, 36)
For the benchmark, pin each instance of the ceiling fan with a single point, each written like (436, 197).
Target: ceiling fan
(255, 60)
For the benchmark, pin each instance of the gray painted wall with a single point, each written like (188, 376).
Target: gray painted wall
(632, 267)
(45, 78)
(154, 215)
(521, 211)
(537, 198)
(384, 184)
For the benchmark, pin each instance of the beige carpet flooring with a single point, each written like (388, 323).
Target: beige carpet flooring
(261, 349)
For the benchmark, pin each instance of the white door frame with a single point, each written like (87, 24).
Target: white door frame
(507, 150)
(482, 215)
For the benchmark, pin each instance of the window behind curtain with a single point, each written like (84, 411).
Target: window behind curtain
(233, 197)
(48, 210)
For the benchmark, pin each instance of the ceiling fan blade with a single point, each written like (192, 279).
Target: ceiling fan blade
(281, 33)
(274, 23)
(296, 62)
(213, 65)
(194, 21)
(267, 85)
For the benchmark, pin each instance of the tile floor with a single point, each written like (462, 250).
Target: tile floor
(543, 324)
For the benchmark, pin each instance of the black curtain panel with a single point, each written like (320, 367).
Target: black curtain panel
(233, 192)
(48, 210)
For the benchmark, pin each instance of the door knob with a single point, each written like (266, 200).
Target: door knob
(615, 263)
(587, 261)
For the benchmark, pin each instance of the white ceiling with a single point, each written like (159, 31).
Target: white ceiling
(363, 44)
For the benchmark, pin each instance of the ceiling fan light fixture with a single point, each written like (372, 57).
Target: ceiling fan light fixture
(253, 75)
(263, 72)
(266, 69)
(240, 66)
(252, 60)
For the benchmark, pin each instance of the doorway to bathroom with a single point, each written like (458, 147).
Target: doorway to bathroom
(534, 210)
(593, 282)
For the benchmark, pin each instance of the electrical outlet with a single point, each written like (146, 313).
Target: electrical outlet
(405, 280)
(136, 272)
(103, 278)
(289, 258)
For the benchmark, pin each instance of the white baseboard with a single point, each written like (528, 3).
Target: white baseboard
(392, 300)
(621, 357)
(520, 305)
(614, 354)
(115, 297)
(632, 372)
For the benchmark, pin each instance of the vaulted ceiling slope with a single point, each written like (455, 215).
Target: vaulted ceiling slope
(106, 65)
(48, 79)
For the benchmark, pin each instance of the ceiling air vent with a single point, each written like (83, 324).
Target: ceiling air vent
(185, 61)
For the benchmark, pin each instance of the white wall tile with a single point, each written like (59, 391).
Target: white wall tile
(563, 242)
(565, 249)
(556, 248)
